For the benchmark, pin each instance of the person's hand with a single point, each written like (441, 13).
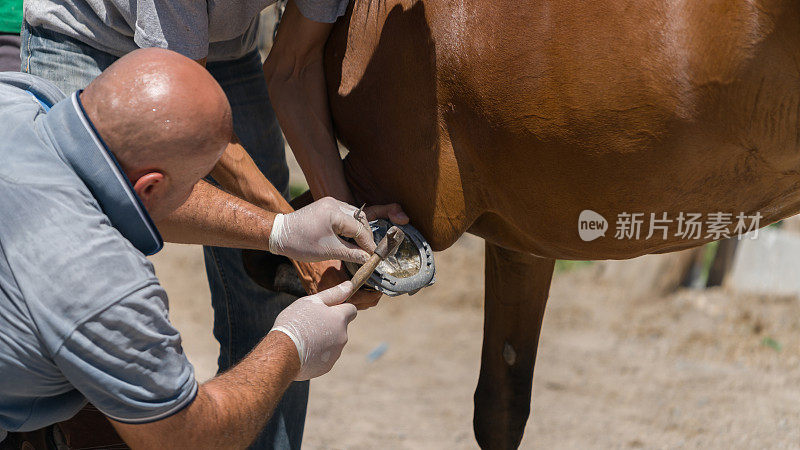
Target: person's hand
(321, 275)
(330, 273)
(317, 325)
(312, 233)
(392, 211)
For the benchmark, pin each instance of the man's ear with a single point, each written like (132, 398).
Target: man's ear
(150, 187)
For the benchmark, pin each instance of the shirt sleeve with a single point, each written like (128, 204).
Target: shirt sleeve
(326, 11)
(180, 26)
(127, 360)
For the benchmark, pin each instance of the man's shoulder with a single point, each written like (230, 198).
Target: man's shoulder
(63, 223)
(19, 85)
(66, 257)
(28, 154)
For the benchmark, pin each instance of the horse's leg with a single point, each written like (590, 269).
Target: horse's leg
(517, 286)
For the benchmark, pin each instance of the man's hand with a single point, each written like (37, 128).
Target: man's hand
(317, 325)
(312, 233)
(392, 211)
(326, 274)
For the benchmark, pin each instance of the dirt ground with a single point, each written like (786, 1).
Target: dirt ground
(697, 369)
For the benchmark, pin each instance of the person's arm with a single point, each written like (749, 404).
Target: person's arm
(232, 408)
(238, 174)
(296, 83)
(211, 216)
(311, 234)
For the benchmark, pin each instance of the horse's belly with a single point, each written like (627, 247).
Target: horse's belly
(644, 201)
(497, 121)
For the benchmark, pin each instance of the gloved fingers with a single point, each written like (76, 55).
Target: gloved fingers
(348, 226)
(345, 251)
(336, 294)
(392, 211)
(351, 313)
(347, 310)
(351, 210)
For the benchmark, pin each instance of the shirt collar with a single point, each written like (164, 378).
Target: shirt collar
(84, 150)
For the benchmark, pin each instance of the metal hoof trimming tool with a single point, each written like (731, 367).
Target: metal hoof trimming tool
(386, 247)
(357, 214)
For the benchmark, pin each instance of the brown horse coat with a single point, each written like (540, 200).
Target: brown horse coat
(507, 119)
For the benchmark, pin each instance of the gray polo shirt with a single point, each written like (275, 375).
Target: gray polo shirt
(82, 315)
(221, 30)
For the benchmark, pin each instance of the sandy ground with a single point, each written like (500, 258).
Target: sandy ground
(697, 369)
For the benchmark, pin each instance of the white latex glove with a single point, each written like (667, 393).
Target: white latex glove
(312, 233)
(317, 325)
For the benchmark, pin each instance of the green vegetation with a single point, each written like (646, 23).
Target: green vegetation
(771, 343)
(297, 189)
(566, 265)
(709, 252)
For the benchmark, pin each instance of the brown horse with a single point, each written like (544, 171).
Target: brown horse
(508, 119)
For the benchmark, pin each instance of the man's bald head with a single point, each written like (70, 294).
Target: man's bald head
(160, 112)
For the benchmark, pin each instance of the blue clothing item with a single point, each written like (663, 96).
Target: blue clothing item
(243, 311)
(65, 62)
(82, 315)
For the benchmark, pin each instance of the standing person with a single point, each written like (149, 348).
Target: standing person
(69, 42)
(10, 24)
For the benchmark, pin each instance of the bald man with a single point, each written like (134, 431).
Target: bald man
(82, 315)
(69, 42)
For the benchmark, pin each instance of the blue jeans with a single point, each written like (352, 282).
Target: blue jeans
(243, 311)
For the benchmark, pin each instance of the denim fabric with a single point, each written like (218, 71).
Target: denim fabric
(67, 63)
(243, 311)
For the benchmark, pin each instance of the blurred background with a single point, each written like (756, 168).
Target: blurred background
(663, 351)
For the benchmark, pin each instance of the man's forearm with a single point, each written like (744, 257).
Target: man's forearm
(303, 115)
(230, 409)
(243, 399)
(213, 217)
(238, 174)
(296, 82)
